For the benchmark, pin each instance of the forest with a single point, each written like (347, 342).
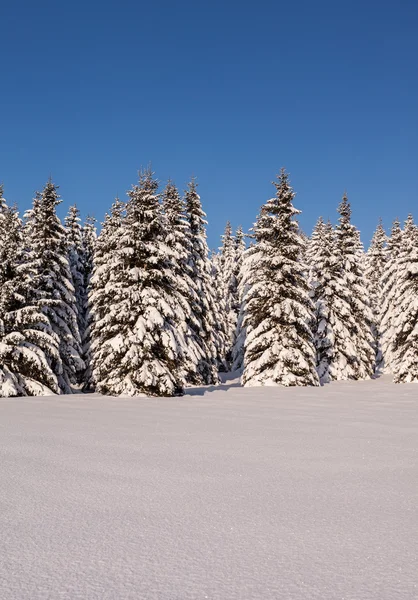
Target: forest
(143, 307)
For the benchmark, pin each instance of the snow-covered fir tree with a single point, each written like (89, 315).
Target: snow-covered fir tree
(28, 346)
(89, 238)
(405, 317)
(178, 238)
(141, 345)
(279, 347)
(230, 259)
(75, 258)
(237, 354)
(334, 325)
(389, 286)
(51, 285)
(210, 331)
(101, 293)
(348, 244)
(375, 261)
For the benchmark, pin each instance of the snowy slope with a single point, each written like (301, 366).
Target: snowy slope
(231, 494)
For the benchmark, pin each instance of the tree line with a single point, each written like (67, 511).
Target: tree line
(143, 308)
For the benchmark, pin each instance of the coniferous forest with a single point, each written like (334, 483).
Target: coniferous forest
(143, 308)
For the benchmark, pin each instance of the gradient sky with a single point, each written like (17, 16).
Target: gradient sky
(227, 91)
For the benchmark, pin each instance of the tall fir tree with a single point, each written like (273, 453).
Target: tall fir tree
(389, 286)
(405, 317)
(279, 347)
(141, 349)
(101, 292)
(28, 345)
(210, 332)
(237, 359)
(75, 258)
(375, 261)
(334, 325)
(52, 285)
(230, 264)
(350, 250)
(89, 239)
(178, 238)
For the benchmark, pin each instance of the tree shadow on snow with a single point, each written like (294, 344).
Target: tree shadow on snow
(228, 381)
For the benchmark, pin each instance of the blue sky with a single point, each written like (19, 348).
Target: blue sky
(227, 91)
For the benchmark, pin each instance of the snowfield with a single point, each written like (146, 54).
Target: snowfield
(229, 493)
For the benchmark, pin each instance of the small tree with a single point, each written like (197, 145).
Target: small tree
(389, 286)
(375, 263)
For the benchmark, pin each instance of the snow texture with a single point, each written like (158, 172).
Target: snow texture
(226, 494)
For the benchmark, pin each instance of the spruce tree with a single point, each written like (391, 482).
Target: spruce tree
(210, 331)
(89, 239)
(141, 346)
(178, 238)
(349, 248)
(375, 261)
(405, 317)
(75, 258)
(238, 306)
(28, 345)
(389, 285)
(228, 287)
(334, 325)
(101, 291)
(52, 286)
(279, 347)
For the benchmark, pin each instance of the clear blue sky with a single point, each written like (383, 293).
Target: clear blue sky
(228, 91)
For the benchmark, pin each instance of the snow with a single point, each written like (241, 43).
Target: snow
(228, 493)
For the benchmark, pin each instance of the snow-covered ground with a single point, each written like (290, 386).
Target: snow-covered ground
(229, 494)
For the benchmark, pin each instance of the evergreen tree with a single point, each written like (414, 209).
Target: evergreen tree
(238, 305)
(178, 238)
(349, 247)
(279, 347)
(389, 286)
(101, 292)
(227, 285)
(405, 318)
(89, 239)
(374, 267)
(210, 331)
(141, 345)
(27, 342)
(334, 326)
(52, 286)
(75, 258)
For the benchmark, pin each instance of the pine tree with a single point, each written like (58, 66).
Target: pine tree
(89, 239)
(141, 350)
(350, 251)
(375, 261)
(405, 318)
(389, 286)
(178, 238)
(228, 287)
(238, 306)
(334, 326)
(27, 342)
(279, 347)
(101, 292)
(52, 286)
(210, 331)
(75, 259)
